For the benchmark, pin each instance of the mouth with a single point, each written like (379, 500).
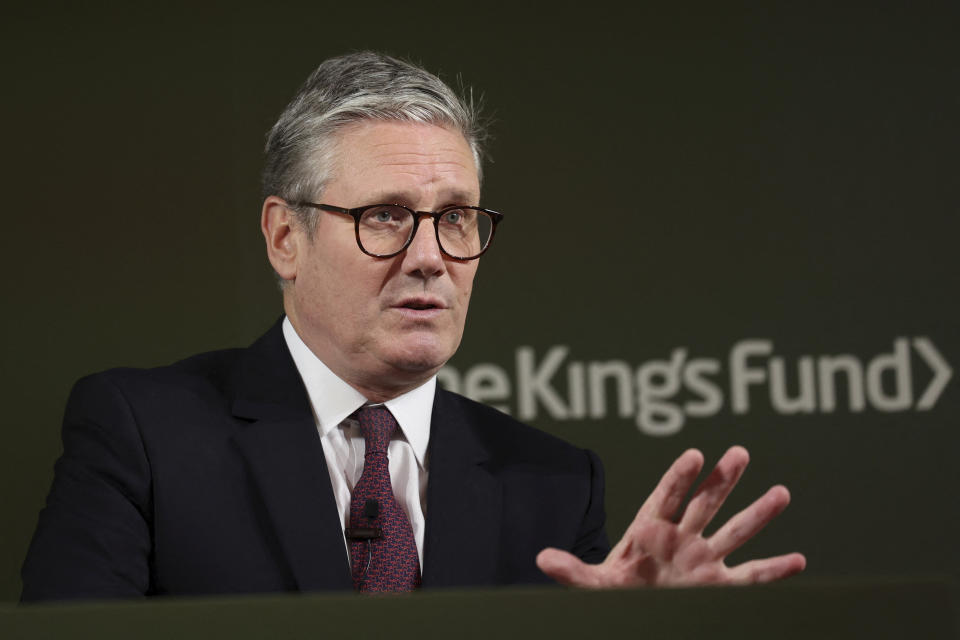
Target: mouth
(423, 304)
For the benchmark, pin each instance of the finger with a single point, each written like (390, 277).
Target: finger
(567, 568)
(768, 569)
(645, 536)
(673, 486)
(714, 490)
(748, 522)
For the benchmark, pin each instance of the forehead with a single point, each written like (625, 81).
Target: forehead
(414, 160)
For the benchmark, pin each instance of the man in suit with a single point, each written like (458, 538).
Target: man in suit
(324, 456)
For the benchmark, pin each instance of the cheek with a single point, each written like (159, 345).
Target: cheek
(321, 287)
(344, 298)
(463, 279)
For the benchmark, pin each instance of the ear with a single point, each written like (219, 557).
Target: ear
(281, 233)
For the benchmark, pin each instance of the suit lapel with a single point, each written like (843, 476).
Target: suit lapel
(284, 456)
(462, 540)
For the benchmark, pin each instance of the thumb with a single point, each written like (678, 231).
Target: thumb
(566, 568)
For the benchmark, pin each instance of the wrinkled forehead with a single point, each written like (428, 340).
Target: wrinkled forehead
(396, 158)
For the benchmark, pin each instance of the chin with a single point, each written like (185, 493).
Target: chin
(421, 358)
(423, 365)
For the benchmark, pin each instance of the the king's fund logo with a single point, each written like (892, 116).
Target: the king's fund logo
(660, 395)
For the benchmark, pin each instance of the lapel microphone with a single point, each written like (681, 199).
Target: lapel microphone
(371, 511)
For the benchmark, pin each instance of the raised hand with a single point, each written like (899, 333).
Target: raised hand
(658, 550)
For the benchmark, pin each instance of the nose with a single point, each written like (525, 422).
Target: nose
(423, 256)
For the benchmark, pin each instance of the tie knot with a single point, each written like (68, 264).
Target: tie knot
(377, 425)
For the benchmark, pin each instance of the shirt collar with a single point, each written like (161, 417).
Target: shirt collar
(333, 400)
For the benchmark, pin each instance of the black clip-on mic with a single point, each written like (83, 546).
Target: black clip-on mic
(371, 511)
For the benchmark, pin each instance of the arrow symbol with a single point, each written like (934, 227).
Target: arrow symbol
(941, 372)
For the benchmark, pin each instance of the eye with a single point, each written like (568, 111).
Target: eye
(385, 216)
(453, 217)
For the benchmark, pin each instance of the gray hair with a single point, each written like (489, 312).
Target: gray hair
(345, 90)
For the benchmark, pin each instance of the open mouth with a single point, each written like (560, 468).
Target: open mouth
(420, 304)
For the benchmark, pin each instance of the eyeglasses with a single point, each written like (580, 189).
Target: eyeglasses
(386, 230)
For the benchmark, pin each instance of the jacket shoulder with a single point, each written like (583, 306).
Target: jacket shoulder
(509, 440)
(214, 368)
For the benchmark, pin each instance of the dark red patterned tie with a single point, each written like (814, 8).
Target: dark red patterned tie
(388, 562)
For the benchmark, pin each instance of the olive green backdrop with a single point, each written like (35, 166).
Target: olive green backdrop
(725, 224)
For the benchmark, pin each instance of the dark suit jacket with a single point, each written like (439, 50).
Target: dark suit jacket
(207, 476)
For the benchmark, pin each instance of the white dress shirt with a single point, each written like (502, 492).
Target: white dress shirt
(333, 400)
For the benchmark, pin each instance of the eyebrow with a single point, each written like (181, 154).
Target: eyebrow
(405, 198)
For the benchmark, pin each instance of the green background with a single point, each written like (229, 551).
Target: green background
(673, 175)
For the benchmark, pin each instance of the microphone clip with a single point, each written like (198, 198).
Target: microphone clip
(363, 533)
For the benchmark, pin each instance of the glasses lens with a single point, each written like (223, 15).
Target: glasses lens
(465, 232)
(384, 229)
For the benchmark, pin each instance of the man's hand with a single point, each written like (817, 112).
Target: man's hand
(657, 550)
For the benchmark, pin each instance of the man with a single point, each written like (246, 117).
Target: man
(324, 456)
